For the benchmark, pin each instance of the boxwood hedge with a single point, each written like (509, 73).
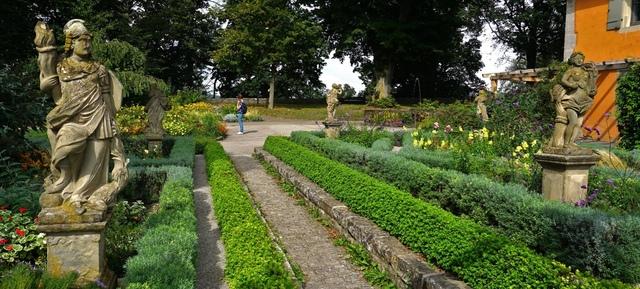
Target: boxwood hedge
(477, 254)
(252, 259)
(605, 245)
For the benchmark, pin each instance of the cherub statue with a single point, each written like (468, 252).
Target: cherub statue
(332, 101)
(572, 98)
(81, 127)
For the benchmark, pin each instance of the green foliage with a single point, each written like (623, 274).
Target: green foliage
(363, 136)
(264, 41)
(454, 114)
(252, 259)
(628, 107)
(579, 237)
(479, 256)
(383, 144)
(123, 230)
(359, 255)
(19, 240)
(387, 102)
(614, 190)
(17, 188)
(23, 277)
(171, 265)
(181, 155)
(132, 120)
(186, 96)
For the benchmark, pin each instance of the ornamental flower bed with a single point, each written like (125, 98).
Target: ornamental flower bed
(19, 241)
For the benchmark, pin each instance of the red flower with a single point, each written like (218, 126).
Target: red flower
(20, 233)
(3, 241)
(23, 210)
(1, 219)
(9, 247)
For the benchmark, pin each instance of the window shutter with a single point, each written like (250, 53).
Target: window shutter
(614, 19)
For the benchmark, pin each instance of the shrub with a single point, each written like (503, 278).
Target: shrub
(479, 256)
(181, 154)
(23, 277)
(167, 251)
(17, 188)
(456, 114)
(363, 136)
(252, 259)
(386, 102)
(123, 231)
(186, 96)
(178, 121)
(132, 120)
(628, 107)
(383, 144)
(584, 238)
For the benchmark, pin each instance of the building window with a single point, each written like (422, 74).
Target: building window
(634, 13)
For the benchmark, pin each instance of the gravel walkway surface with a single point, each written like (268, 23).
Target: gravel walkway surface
(211, 260)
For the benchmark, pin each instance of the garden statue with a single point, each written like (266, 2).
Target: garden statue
(156, 106)
(332, 102)
(572, 98)
(482, 97)
(81, 127)
(565, 165)
(82, 131)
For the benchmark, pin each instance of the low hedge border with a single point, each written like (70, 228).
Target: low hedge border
(408, 269)
(182, 154)
(167, 251)
(605, 245)
(252, 259)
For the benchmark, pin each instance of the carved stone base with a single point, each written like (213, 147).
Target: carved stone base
(78, 248)
(154, 141)
(332, 129)
(565, 177)
(66, 214)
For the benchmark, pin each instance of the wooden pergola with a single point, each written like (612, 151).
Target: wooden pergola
(533, 74)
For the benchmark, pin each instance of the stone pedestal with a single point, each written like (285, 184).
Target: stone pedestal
(78, 248)
(154, 142)
(565, 177)
(332, 129)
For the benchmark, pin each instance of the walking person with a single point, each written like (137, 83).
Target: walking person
(241, 109)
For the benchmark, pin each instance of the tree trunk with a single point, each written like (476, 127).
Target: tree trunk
(383, 84)
(272, 90)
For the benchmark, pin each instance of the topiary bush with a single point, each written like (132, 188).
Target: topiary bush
(628, 107)
(383, 144)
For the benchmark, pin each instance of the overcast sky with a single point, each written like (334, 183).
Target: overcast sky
(336, 72)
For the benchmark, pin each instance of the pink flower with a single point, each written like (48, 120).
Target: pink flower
(436, 125)
(448, 129)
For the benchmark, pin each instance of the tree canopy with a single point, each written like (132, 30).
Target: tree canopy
(269, 43)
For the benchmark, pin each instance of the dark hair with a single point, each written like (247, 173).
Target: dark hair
(239, 96)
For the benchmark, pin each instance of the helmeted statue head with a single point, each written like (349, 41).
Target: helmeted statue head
(73, 30)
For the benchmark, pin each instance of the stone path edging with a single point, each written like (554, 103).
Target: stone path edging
(407, 268)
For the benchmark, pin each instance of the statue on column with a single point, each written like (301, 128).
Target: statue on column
(156, 106)
(81, 127)
(332, 102)
(572, 98)
(481, 99)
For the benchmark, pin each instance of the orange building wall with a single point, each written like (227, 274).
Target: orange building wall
(598, 44)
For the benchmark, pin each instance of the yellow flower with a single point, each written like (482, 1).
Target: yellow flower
(493, 134)
(526, 156)
(513, 154)
(434, 131)
(534, 142)
(512, 136)
(518, 149)
(414, 134)
(415, 143)
(429, 142)
(524, 144)
(404, 128)
(460, 128)
(443, 143)
(490, 142)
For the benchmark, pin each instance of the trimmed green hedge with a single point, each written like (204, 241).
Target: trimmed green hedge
(479, 256)
(182, 154)
(252, 259)
(167, 251)
(607, 246)
(383, 144)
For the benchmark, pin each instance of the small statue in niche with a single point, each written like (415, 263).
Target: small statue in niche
(572, 98)
(332, 101)
(156, 106)
(81, 127)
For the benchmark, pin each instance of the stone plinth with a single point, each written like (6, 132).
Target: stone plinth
(78, 248)
(565, 177)
(154, 141)
(332, 129)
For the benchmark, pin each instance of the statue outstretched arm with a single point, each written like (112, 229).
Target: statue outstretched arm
(47, 60)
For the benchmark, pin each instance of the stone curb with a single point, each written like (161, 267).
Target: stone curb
(408, 269)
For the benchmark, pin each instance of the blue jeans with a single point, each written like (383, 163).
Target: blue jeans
(241, 121)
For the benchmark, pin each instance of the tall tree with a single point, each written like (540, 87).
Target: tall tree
(394, 42)
(534, 29)
(269, 42)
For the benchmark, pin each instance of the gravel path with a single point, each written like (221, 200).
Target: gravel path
(211, 260)
(306, 242)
